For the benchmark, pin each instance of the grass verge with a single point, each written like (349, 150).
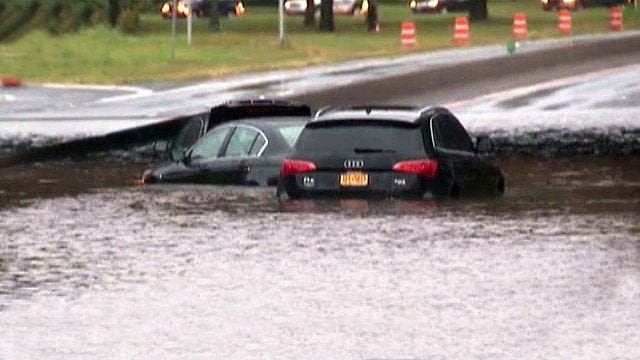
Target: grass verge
(102, 55)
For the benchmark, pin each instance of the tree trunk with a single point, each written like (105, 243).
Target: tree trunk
(372, 16)
(113, 13)
(309, 14)
(478, 10)
(326, 16)
(214, 18)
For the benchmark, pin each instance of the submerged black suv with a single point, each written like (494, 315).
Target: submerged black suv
(392, 151)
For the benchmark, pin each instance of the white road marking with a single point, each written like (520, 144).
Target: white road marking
(9, 97)
(135, 89)
(512, 93)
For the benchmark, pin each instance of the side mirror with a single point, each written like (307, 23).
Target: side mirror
(160, 146)
(484, 144)
(179, 155)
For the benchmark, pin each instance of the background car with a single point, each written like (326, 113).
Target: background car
(439, 6)
(340, 7)
(202, 8)
(578, 4)
(388, 152)
(298, 7)
(247, 151)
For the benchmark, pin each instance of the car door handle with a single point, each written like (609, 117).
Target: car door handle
(244, 167)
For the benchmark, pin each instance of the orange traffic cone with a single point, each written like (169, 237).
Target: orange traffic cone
(520, 26)
(615, 19)
(11, 81)
(564, 22)
(408, 34)
(461, 31)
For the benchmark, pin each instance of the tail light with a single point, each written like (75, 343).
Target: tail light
(292, 167)
(425, 168)
(166, 9)
(145, 177)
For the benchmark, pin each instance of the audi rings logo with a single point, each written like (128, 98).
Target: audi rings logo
(354, 164)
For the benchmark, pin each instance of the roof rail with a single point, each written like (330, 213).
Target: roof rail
(367, 108)
(326, 109)
(430, 110)
(259, 101)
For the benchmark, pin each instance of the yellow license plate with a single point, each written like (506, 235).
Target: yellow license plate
(354, 178)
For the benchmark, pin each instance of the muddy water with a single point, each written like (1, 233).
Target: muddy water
(551, 270)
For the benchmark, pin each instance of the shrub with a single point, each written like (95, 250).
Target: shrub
(22, 16)
(129, 21)
(60, 18)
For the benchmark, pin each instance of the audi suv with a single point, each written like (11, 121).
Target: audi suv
(391, 151)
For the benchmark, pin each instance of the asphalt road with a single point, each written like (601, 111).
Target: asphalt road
(36, 115)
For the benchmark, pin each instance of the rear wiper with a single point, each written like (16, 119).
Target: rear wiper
(371, 150)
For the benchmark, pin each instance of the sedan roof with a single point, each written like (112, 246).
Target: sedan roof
(265, 122)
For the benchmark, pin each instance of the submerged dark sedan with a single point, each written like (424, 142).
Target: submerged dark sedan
(240, 152)
(388, 152)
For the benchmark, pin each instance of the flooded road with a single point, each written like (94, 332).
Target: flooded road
(551, 270)
(95, 267)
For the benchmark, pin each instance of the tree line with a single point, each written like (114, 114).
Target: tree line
(67, 16)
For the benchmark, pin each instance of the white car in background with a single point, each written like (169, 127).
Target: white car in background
(340, 7)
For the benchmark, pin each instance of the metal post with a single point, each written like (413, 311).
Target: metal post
(281, 20)
(189, 23)
(174, 19)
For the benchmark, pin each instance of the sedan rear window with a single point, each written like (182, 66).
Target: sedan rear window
(362, 136)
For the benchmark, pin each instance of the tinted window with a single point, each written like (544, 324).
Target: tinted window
(209, 146)
(257, 146)
(241, 141)
(450, 134)
(349, 137)
(187, 136)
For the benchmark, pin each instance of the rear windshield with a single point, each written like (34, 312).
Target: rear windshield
(353, 137)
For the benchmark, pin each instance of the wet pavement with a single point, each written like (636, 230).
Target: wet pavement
(93, 266)
(551, 270)
(53, 112)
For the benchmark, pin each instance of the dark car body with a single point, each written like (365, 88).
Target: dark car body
(439, 6)
(239, 152)
(388, 152)
(549, 5)
(203, 8)
(195, 126)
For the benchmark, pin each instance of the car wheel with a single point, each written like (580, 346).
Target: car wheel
(502, 186)
(498, 188)
(445, 184)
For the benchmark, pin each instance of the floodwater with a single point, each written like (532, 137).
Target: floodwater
(111, 270)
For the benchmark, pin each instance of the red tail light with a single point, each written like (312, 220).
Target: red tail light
(292, 167)
(424, 168)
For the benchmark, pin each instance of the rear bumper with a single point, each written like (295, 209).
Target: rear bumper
(381, 185)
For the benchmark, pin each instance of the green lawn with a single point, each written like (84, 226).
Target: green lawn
(101, 55)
